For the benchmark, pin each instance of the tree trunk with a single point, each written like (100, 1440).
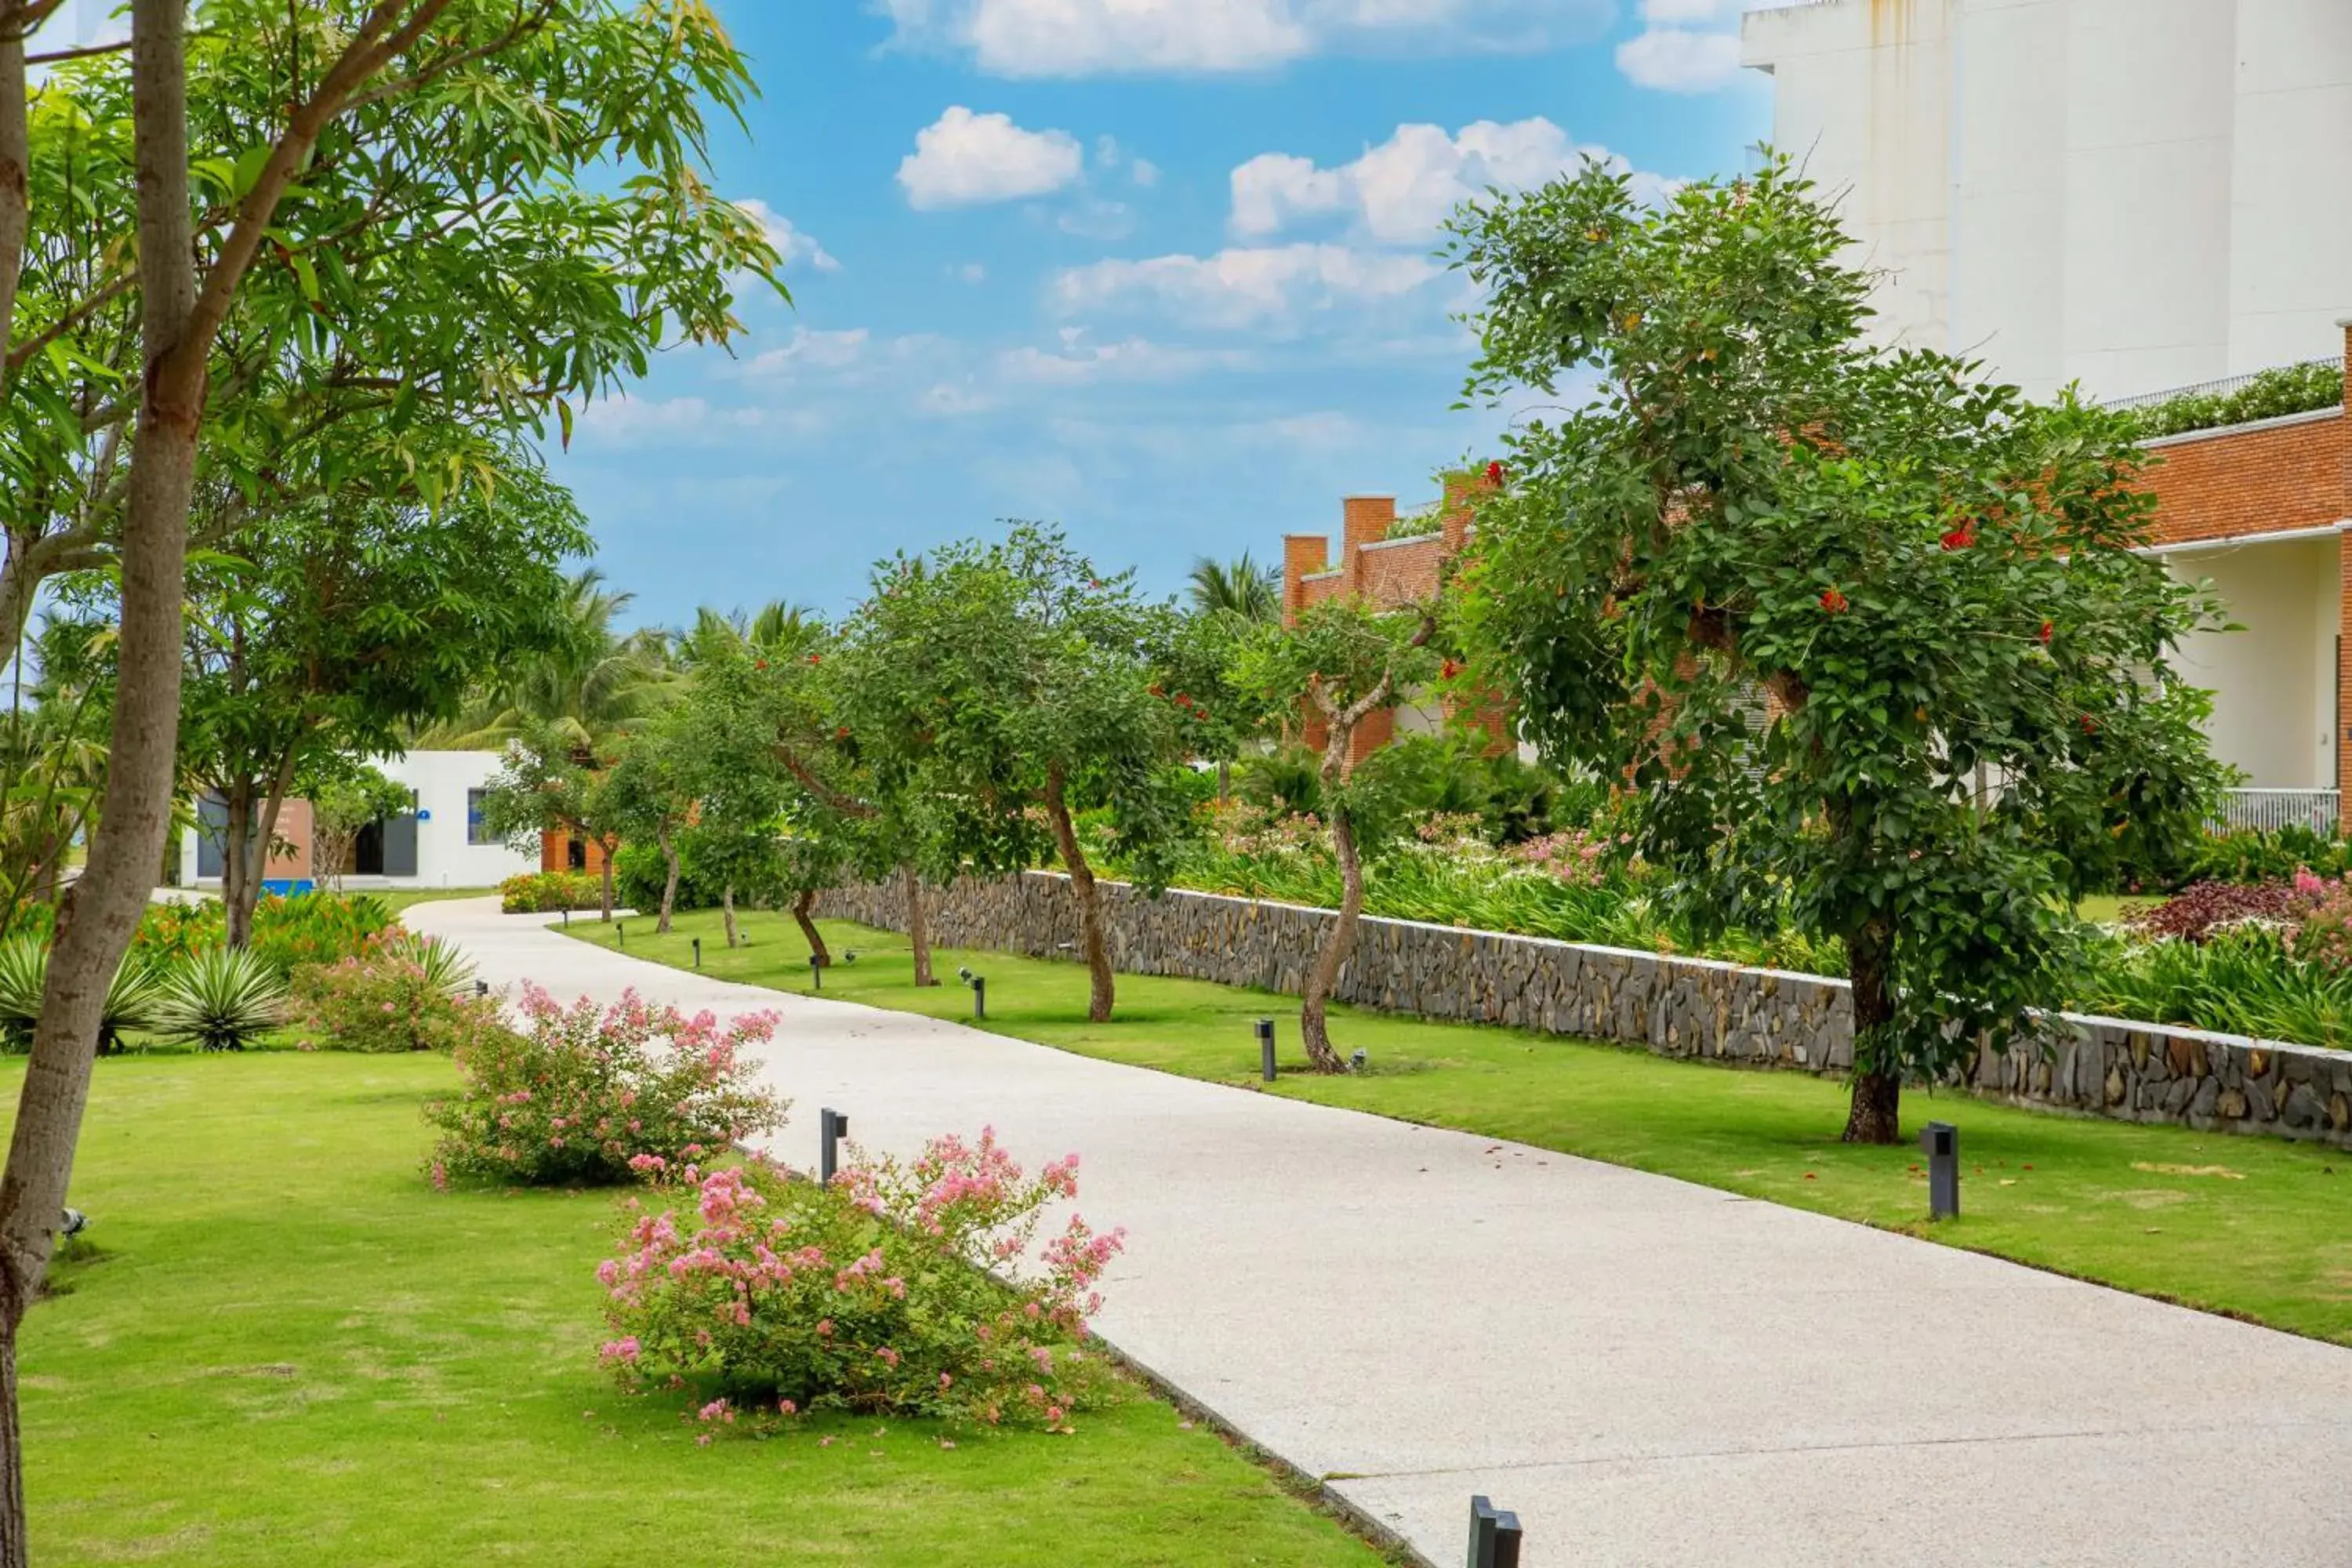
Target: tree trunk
(263, 835)
(1314, 1021)
(605, 882)
(670, 881)
(12, 1452)
(1874, 1114)
(726, 909)
(918, 927)
(236, 864)
(1089, 898)
(818, 952)
(95, 925)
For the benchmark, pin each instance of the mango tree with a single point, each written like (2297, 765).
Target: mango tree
(1877, 638)
(1340, 662)
(1010, 687)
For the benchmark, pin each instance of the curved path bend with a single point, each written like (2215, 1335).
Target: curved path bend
(1646, 1370)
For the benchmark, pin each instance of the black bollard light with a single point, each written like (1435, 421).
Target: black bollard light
(1940, 1142)
(816, 973)
(1495, 1536)
(979, 983)
(832, 1127)
(697, 953)
(481, 988)
(1266, 1049)
(619, 933)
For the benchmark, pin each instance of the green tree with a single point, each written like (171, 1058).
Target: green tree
(52, 756)
(1845, 583)
(346, 796)
(1338, 663)
(337, 619)
(1010, 687)
(214, 224)
(546, 784)
(591, 684)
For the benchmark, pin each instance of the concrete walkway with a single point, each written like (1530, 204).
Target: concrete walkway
(1648, 1371)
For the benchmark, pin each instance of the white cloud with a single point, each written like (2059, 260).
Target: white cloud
(1671, 12)
(1247, 286)
(947, 401)
(1675, 60)
(624, 421)
(966, 159)
(971, 272)
(793, 245)
(1087, 38)
(1144, 172)
(1400, 192)
(813, 350)
(1077, 362)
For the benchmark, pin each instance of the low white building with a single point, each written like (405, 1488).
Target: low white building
(441, 844)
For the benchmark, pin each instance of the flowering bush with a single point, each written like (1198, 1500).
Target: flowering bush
(583, 1096)
(2325, 938)
(400, 993)
(316, 927)
(875, 1293)
(550, 892)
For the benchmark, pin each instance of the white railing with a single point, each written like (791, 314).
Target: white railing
(2267, 810)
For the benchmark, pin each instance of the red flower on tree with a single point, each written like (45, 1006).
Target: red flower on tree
(2046, 629)
(1495, 473)
(816, 658)
(1450, 668)
(1961, 537)
(1833, 601)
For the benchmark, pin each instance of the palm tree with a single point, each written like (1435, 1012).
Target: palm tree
(777, 630)
(591, 688)
(1240, 587)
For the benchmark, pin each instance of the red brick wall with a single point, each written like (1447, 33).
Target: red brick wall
(2214, 486)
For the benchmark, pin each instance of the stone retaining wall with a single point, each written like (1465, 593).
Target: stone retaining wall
(1674, 1006)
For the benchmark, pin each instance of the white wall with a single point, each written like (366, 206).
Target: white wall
(2275, 681)
(444, 858)
(2133, 194)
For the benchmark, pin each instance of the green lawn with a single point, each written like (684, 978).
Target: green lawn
(2239, 1225)
(293, 1351)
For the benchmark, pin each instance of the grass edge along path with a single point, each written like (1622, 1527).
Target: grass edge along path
(291, 1350)
(2251, 1227)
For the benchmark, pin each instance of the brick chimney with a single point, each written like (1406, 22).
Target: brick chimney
(1364, 520)
(1302, 555)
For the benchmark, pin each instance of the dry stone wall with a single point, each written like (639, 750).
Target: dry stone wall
(1674, 1006)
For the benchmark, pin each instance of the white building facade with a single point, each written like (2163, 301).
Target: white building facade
(441, 844)
(2136, 195)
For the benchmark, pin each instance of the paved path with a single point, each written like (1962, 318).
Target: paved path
(1648, 1371)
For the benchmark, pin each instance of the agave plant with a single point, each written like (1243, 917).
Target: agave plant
(131, 999)
(445, 967)
(221, 1000)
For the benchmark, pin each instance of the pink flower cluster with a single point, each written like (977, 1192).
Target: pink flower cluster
(914, 1290)
(583, 1095)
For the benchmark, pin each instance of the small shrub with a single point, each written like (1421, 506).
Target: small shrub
(2195, 912)
(172, 934)
(550, 892)
(581, 1094)
(221, 1000)
(132, 999)
(2272, 856)
(2325, 940)
(403, 994)
(316, 927)
(774, 1295)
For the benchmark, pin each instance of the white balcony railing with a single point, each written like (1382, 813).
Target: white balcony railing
(2267, 810)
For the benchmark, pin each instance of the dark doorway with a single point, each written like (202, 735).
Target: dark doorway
(212, 836)
(386, 848)
(575, 853)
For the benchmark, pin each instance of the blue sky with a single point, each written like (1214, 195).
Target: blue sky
(1158, 270)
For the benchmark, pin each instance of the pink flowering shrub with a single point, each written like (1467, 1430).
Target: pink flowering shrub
(398, 992)
(581, 1097)
(905, 1290)
(2325, 936)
